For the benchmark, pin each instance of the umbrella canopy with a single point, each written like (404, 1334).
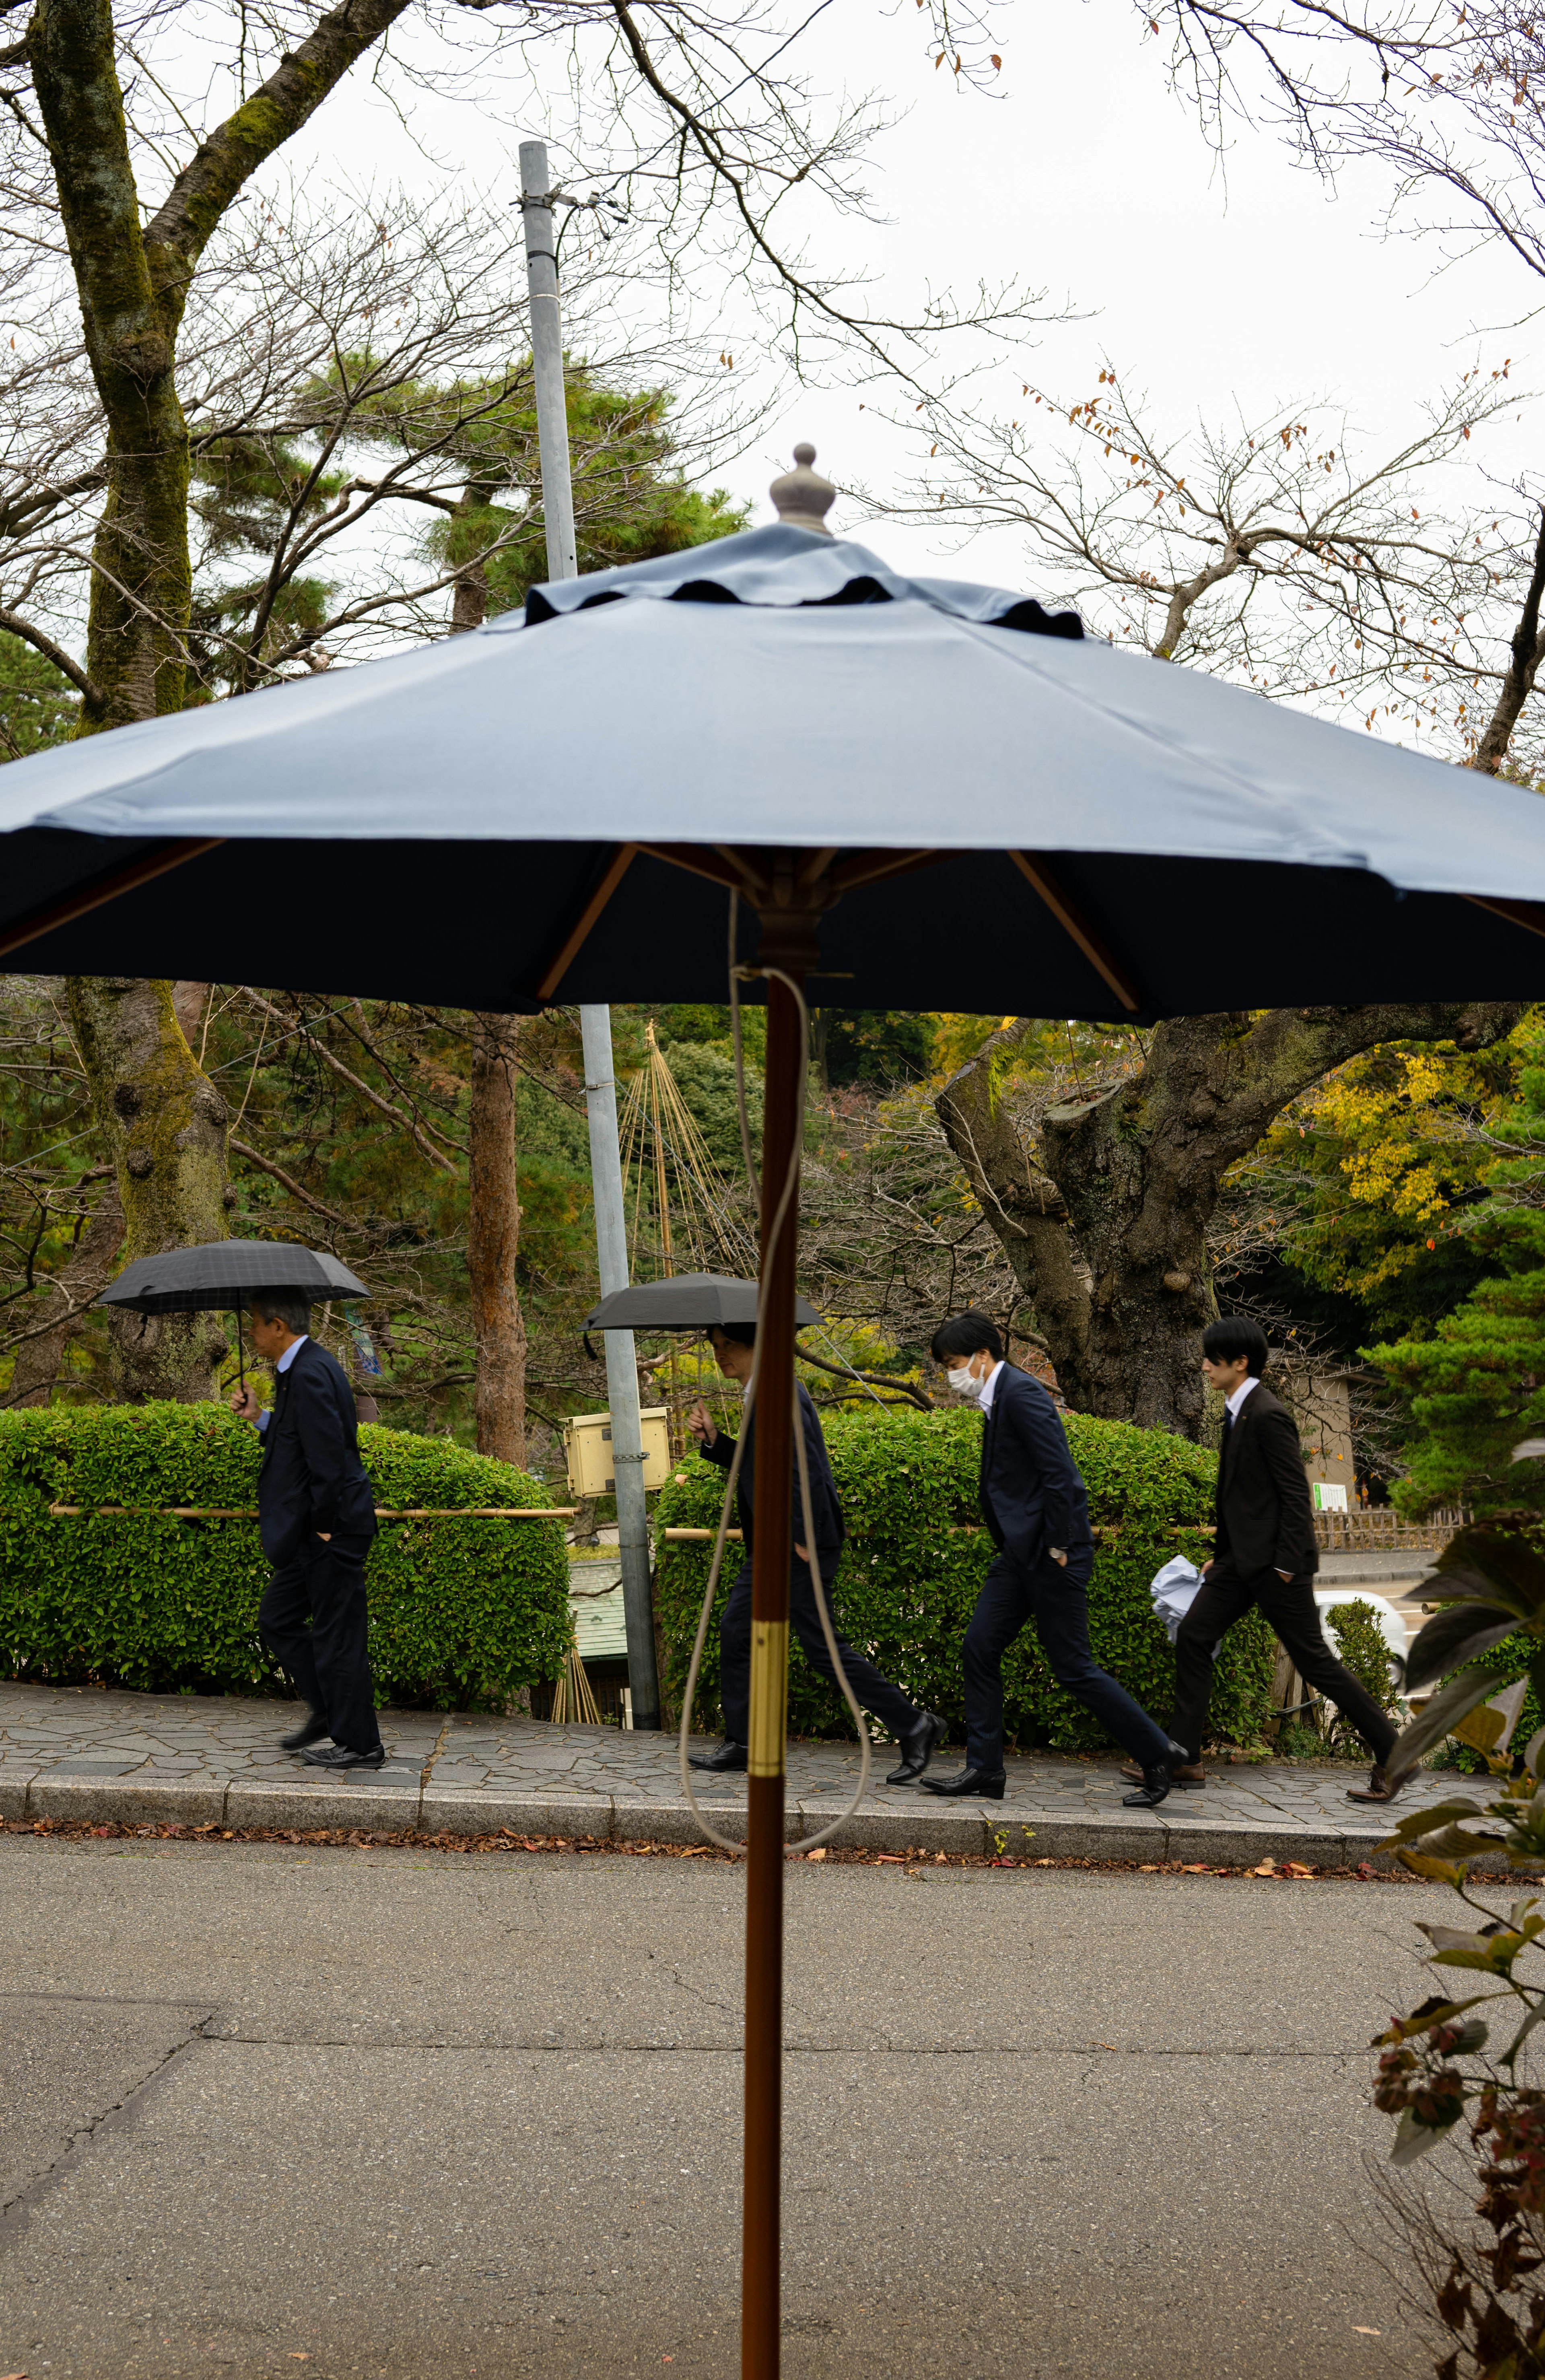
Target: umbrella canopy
(688, 1301)
(227, 1273)
(952, 800)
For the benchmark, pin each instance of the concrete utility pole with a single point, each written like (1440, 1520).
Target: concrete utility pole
(600, 1092)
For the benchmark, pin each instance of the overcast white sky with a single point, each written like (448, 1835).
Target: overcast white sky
(1255, 284)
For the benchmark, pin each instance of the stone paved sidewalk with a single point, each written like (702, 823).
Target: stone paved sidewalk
(122, 1757)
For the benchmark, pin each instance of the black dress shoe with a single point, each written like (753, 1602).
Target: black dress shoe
(343, 1755)
(985, 1784)
(311, 1729)
(719, 1764)
(918, 1747)
(1157, 1779)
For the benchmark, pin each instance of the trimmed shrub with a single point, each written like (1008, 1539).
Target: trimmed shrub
(917, 1554)
(1359, 1643)
(463, 1613)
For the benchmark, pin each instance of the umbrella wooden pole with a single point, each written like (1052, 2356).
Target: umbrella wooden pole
(783, 1120)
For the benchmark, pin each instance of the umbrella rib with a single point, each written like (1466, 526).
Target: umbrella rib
(104, 888)
(1075, 926)
(1528, 913)
(622, 861)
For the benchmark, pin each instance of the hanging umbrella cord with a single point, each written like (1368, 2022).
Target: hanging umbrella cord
(786, 1207)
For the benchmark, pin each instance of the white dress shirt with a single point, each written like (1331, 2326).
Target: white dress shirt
(286, 1360)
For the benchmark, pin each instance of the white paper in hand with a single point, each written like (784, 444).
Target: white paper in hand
(1173, 1590)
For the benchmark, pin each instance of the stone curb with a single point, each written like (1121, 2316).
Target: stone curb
(380, 1803)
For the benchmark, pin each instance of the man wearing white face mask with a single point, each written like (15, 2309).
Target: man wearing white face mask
(1036, 1508)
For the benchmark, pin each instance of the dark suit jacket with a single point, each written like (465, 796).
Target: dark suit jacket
(1265, 1512)
(1031, 1492)
(830, 1528)
(312, 1478)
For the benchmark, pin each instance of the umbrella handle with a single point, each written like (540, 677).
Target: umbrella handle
(240, 1358)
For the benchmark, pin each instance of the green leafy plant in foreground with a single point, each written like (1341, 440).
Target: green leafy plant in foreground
(1438, 2070)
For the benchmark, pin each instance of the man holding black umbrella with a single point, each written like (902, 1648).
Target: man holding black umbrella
(316, 1512)
(917, 1732)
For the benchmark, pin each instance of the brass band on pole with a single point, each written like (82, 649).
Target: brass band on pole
(769, 1697)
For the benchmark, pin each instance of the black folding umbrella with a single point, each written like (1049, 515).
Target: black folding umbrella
(931, 793)
(688, 1301)
(223, 1274)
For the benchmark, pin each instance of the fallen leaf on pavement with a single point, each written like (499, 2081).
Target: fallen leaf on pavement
(1363, 2331)
(1296, 1867)
(1266, 1867)
(1200, 1869)
(817, 1854)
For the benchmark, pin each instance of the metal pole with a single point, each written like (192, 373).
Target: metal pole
(622, 1371)
(547, 360)
(601, 1097)
(783, 1120)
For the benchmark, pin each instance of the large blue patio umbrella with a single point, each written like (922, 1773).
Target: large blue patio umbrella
(925, 794)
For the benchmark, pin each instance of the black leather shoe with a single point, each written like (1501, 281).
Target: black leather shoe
(918, 1747)
(342, 1756)
(311, 1730)
(985, 1784)
(1157, 1779)
(720, 1763)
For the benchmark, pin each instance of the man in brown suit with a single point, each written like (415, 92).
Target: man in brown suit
(1266, 1555)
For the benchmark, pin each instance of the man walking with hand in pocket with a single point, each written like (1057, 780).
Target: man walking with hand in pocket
(1265, 1554)
(316, 1512)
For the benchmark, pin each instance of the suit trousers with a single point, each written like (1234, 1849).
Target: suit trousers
(1290, 1612)
(876, 1693)
(312, 1619)
(1057, 1601)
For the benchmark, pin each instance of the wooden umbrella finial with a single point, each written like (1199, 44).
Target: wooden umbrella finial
(801, 496)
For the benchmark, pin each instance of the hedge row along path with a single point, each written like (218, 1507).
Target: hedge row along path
(250, 1512)
(86, 1755)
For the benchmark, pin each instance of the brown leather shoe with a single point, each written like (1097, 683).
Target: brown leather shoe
(1377, 1788)
(1193, 1773)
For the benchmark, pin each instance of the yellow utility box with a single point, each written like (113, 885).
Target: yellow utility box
(588, 1447)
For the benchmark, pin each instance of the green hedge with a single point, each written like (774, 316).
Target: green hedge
(463, 1613)
(917, 1554)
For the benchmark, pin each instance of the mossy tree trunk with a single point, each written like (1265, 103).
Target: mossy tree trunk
(164, 1121)
(1105, 1225)
(164, 1125)
(132, 278)
(494, 1241)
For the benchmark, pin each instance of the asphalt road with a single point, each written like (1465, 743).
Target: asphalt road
(427, 2117)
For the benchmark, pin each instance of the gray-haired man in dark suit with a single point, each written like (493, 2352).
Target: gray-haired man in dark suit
(316, 1512)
